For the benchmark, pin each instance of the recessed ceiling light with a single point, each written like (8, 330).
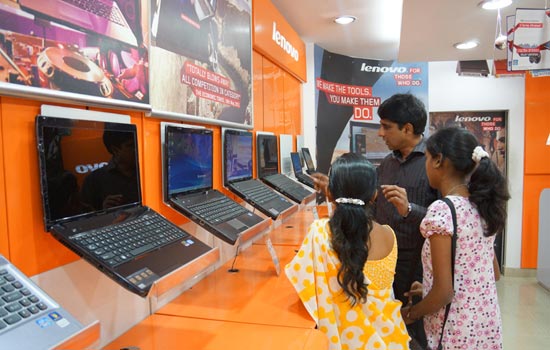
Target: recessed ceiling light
(466, 45)
(345, 19)
(494, 4)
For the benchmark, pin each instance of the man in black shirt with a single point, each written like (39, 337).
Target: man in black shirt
(405, 188)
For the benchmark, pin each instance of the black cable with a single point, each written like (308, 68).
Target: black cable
(233, 269)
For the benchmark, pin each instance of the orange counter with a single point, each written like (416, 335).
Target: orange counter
(161, 332)
(254, 294)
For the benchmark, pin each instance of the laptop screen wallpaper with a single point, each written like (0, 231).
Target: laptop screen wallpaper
(237, 156)
(189, 153)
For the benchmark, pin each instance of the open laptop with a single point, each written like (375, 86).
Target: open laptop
(103, 17)
(298, 171)
(308, 160)
(187, 166)
(91, 196)
(268, 169)
(238, 177)
(30, 318)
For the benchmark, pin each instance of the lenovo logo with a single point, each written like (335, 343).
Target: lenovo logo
(284, 43)
(473, 119)
(377, 69)
(88, 168)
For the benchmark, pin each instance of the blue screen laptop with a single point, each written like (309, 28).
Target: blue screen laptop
(188, 160)
(238, 177)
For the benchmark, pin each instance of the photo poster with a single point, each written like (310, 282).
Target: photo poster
(348, 93)
(531, 39)
(201, 61)
(489, 127)
(54, 49)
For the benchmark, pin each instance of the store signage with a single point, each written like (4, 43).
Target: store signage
(276, 40)
(284, 43)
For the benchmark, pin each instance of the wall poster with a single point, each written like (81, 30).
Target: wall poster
(88, 50)
(348, 93)
(488, 126)
(490, 129)
(201, 61)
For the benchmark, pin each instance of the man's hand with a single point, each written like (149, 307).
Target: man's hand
(398, 197)
(320, 181)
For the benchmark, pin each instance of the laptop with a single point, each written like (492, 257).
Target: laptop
(30, 318)
(238, 177)
(187, 165)
(308, 160)
(298, 171)
(103, 17)
(268, 170)
(91, 197)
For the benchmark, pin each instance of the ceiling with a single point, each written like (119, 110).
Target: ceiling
(407, 31)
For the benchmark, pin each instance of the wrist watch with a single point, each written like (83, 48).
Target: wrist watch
(409, 209)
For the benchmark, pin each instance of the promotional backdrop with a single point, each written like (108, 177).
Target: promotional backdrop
(348, 93)
(201, 66)
(97, 51)
(490, 129)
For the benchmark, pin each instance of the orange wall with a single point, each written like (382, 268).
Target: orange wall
(4, 239)
(265, 16)
(22, 236)
(537, 164)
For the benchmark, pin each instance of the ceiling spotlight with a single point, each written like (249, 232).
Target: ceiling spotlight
(345, 19)
(466, 45)
(494, 4)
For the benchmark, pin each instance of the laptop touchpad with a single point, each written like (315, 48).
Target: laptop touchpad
(236, 224)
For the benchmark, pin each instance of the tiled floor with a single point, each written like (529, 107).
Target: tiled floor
(525, 308)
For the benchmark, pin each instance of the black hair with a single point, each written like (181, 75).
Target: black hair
(488, 187)
(403, 109)
(352, 176)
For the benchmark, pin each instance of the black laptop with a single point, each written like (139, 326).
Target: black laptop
(90, 184)
(298, 171)
(188, 188)
(238, 177)
(268, 169)
(308, 160)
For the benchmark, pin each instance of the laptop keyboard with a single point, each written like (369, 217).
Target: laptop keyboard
(218, 210)
(259, 193)
(100, 9)
(288, 186)
(116, 244)
(17, 301)
(306, 180)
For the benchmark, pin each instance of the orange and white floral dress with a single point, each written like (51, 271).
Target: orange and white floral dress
(376, 324)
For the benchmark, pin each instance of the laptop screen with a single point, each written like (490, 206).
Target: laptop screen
(296, 162)
(237, 151)
(86, 167)
(307, 159)
(268, 160)
(188, 162)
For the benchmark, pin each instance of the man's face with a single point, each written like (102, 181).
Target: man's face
(391, 134)
(501, 145)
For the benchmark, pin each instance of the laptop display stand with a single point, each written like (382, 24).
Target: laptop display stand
(166, 288)
(88, 337)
